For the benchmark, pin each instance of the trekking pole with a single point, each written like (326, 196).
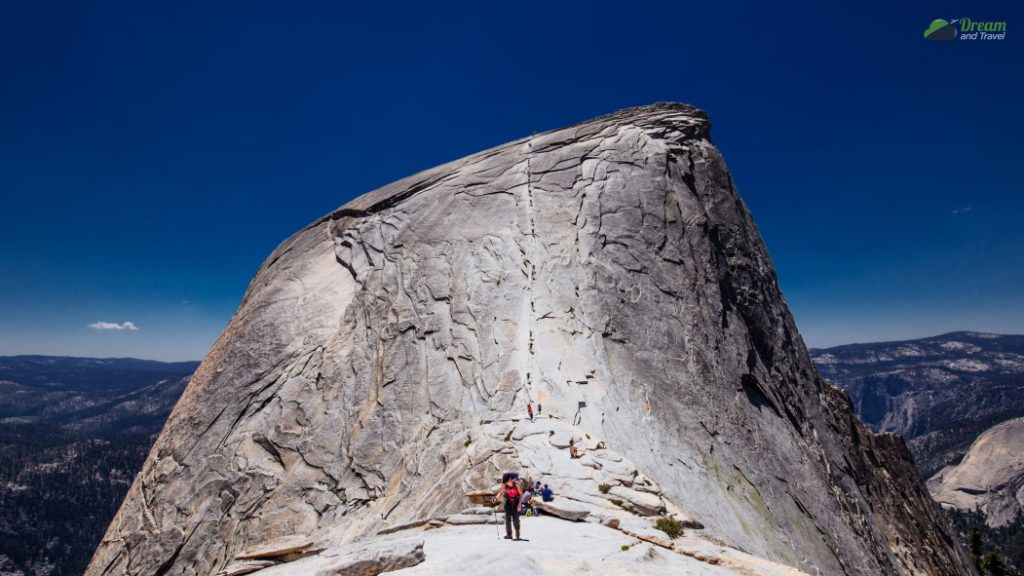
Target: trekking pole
(494, 510)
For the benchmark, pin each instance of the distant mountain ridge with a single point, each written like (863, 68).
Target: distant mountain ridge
(73, 433)
(939, 392)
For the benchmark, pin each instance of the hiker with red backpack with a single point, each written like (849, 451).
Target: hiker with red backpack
(529, 410)
(512, 493)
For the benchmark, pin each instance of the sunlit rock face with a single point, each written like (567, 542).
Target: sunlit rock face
(990, 478)
(380, 364)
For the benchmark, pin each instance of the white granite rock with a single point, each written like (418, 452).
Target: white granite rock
(989, 478)
(565, 509)
(645, 503)
(553, 547)
(357, 559)
(379, 367)
(461, 519)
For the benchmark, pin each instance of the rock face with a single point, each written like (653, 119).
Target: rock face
(379, 366)
(917, 388)
(990, 478)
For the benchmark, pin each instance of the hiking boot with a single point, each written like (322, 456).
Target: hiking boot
(517, 536)
(508, 536)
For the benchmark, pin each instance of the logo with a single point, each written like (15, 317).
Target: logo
(942, 30)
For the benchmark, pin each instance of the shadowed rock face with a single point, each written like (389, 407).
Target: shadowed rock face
(379, 367)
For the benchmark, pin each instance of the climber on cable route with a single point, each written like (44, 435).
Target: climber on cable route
(512, 495)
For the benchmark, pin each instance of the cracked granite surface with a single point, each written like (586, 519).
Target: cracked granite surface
(379, 366)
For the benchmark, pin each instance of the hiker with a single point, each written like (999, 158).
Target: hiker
(529, 509)
(546, 494)
(513, 499)
(525, 485)
(540, 408)
(574, 452)
(529, 410)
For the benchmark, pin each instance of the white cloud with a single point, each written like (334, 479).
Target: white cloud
(113, 326)
(962, 210)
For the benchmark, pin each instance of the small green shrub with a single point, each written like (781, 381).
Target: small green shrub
(625, 547)
(616, 501)
(469, 440)
(509, 435)
(670, 526)
(604, 488)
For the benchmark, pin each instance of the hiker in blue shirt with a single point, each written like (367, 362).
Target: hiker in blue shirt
(546, 494)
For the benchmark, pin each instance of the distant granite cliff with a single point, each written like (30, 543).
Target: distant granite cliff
(939, 393)
(958, 400)
(376, 376)
(990, 478)
(984, 493)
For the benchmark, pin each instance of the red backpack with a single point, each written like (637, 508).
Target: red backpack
(513, 492)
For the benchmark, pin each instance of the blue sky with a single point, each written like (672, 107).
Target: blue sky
(151, 155)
